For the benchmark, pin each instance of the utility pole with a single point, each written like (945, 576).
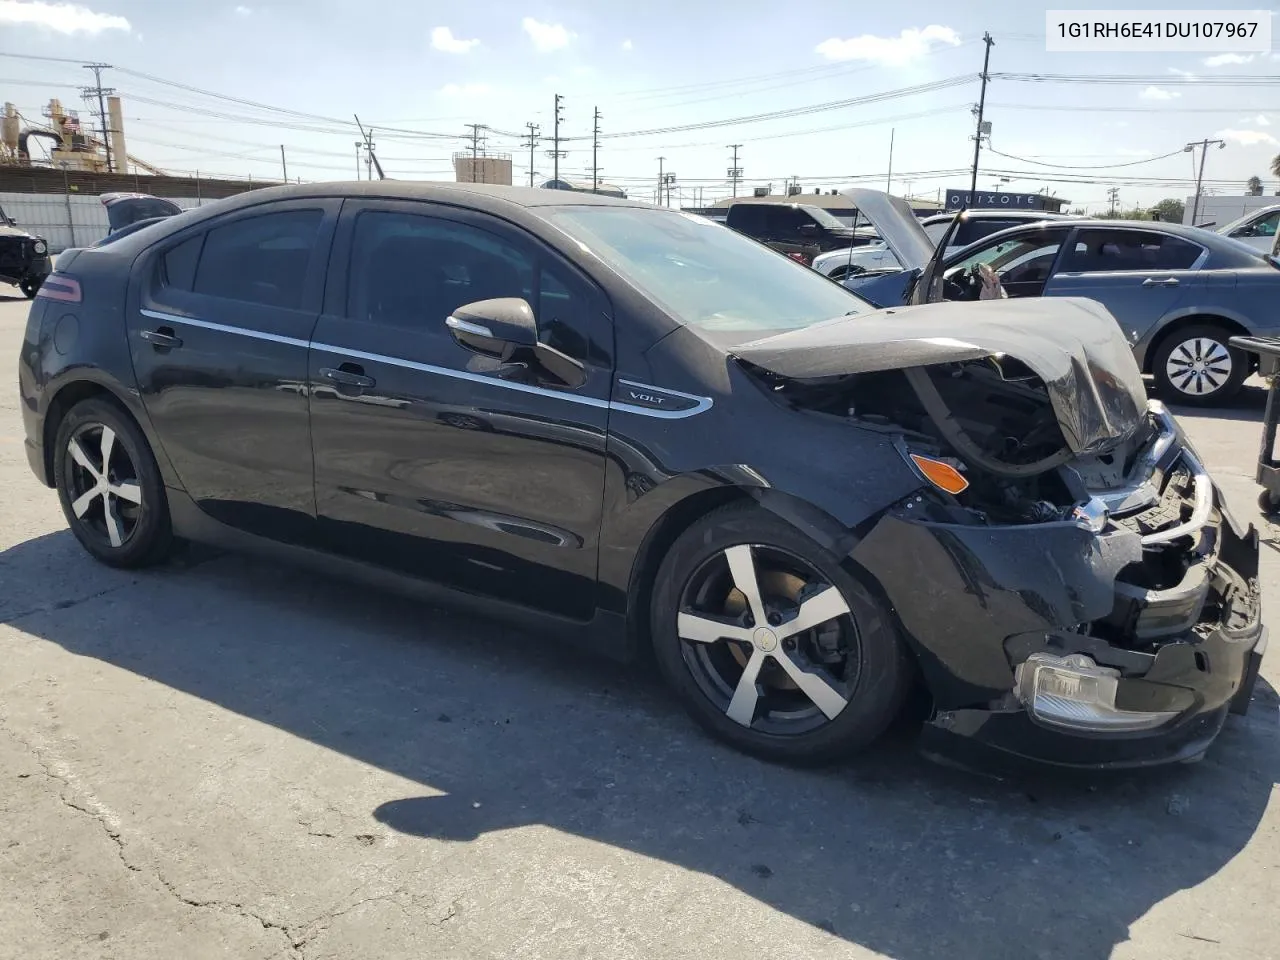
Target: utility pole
(661, 181)
(669, 180)
(982, 105)
(97, 88)
(556, 152)
(476, 146)
(735, 171)
(595, 153)
(532, 137)
(284, 168)
(359, 144)
(1113, 197)
(888, 183)
(1190, 148)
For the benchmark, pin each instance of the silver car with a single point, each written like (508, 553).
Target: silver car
(1257, 229)
(1178, 292)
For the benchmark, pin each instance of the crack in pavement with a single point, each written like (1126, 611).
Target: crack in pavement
(296, 942)
(59, 605)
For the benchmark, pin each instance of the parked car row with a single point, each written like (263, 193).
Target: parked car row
(839, 264)
(1179, 293)
(639, 428)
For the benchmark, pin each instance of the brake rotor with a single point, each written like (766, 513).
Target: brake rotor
(774, 585)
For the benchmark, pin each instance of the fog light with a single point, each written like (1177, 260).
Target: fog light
(1075, 693)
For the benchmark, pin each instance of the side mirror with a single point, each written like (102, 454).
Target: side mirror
(505, 329)
(495, 328)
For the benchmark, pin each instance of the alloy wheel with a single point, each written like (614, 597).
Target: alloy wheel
(102, 484)
(769, 640)
(1199, 366)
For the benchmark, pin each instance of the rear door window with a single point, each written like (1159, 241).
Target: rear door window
(262, 259)
(1103, 250)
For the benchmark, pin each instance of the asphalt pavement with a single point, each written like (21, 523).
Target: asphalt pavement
(225, 757)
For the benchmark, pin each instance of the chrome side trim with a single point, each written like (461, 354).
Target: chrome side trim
(702, 404)
(466, 326)
(224, 328)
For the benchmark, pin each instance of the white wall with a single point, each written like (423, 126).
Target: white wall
(1222, 210)
(45, 215)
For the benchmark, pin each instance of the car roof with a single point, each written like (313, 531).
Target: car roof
(481, 195)
(997, 214)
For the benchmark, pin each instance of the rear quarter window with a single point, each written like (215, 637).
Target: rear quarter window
(178, 264)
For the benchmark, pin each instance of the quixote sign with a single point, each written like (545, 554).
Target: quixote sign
(994, 200)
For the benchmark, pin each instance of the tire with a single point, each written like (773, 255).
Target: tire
(29, 287)
(124, 522)
(1211, 366)
(861, 685)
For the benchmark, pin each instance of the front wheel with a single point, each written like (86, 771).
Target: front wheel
(110, 487)
(771, 645)
(1195, 366)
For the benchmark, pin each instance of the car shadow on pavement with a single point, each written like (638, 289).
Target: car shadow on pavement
(1247, 406)
(505, 729)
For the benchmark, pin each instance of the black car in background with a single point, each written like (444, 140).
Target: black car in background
(24, 257)
(799, 230)
(642, 429)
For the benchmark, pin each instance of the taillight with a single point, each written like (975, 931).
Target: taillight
(58, 286)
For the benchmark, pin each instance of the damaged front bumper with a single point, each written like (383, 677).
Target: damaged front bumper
(1118, 643)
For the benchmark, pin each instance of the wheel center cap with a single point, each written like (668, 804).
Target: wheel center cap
(766, 640)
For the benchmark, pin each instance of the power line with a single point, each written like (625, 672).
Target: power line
(1105, 166)
(799, 111)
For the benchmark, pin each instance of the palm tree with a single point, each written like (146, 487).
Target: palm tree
(1253, 186)
(1275, 166)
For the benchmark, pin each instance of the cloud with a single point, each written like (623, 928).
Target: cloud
(461, 90)
(1246, 138)
(442, 39)
(243, 11)
(60, 17)
(911, 44)
(547, 36)
(1259, 121)
(626, 44)
(1228, 59)
(1159, 93)
(1185, 74)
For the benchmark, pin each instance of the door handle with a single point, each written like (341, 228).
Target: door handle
(347, 375)
(163, 338)
(1166, 282)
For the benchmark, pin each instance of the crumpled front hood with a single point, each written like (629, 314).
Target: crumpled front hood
(1074, 345)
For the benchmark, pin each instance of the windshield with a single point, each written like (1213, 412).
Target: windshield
(826, 219)
(704, 274)
(1236, 224)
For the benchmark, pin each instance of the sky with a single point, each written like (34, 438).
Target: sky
(294, 73)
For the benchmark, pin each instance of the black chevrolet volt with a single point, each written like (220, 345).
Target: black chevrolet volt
(645, 431)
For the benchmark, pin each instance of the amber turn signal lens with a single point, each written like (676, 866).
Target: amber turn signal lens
(941, 475)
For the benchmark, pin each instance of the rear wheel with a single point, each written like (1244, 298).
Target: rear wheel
(1196, 366)
(769, 642)
(110, 487)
